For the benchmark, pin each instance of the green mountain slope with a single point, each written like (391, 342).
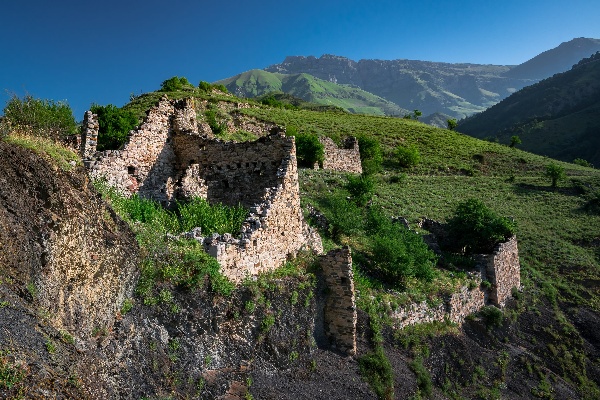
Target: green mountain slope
(306, 87)
(558, 117)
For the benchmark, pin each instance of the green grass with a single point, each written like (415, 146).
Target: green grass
(61, 156)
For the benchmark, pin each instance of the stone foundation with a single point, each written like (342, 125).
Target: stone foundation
(503, 271)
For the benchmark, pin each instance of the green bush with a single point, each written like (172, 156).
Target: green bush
(397, 252)
(407, 157)
(175, 83)
(308, 149)
(205, 86)
(377, 370)
(217, 127)
(361, 188)
(115, 124)
(492, 316)
(371, 156)
(45, 118)
(477, 229)
(582, 162)
(344, 216)
(423, 377)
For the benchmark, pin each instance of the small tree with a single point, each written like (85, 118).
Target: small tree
(204, 86)
(361, 188)
(452, 124)
(174, 84)
(514, 140)
(309, 149)
(477, 229)
(555, 172)
(371, 155)
(407, 156)
(417, 114)
(115, 124)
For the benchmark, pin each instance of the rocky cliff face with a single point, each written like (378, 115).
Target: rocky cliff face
(61, 243)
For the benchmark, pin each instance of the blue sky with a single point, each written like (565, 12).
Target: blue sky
(85, 52)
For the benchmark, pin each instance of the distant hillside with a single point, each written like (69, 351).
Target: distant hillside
(558, 117)
(256, 83)
(458, 90)
(558, 59)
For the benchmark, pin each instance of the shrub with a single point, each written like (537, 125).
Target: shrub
(371, 155)
(174, 84)
(407, 157)
(361, 188)
(115, 124)
(309, 150)
(423, 377)
(397, 252)
(555, 172)
(514, 140)
(452, 124)
(205, 86)
(582, 162)
(217, 127)
(45, 118)
(477, 229)
(344, 216)
(492, 316)
(377, 370)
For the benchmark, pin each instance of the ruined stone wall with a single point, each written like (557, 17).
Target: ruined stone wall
(503, 271)
(454, 307)
(346, 159)
(231, 173)
(146, 163)
(340, 305)
(89, 134)
(275, 229)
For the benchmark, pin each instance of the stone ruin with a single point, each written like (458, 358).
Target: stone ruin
(167, 159)
(345, 159)
(339, 313)
(500, 269)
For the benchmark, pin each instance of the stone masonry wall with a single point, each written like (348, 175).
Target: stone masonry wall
(346, 159)
(146, 163)
(89, 134)
(454, 307)
(275, 229)
(503, 270)
(340, 306)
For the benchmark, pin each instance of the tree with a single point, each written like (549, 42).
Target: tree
(417, 114)
(555, 172)
(46, 118)
(514, 140)
(114, 126)
(452, 124)
(174, 84)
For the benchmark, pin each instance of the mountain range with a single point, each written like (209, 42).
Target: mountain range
(558, 117)
(454, 90)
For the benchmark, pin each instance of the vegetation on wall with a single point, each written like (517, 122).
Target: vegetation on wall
(114, 126)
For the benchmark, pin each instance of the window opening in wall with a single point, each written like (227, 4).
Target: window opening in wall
(344, 280)
(131, 170)
(255, 242)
